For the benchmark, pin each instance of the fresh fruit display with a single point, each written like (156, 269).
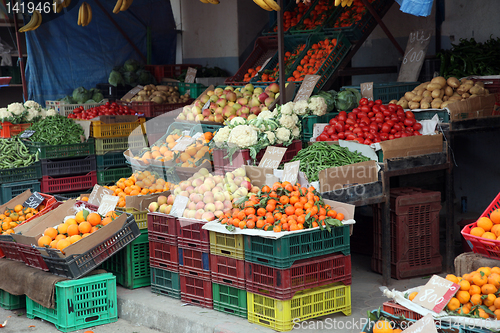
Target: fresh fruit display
(441, 92)
(195, 154)
(209, 196)
(108, 109)
(268, 5)
(12, 217)
(292, 17)
(314, 59)
(140, 183)
(34, 22)
(14, 154)
(350, 15)
(488, 228)
(371, 122)
(74, 228)
(122, 5)
(268, 75)
(56, 130)
(320, 156)
(282, 207)
(84, 14)
(160, 95)
(228, 103)
(252, 72)
(316, 17)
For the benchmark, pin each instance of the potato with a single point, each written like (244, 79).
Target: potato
(427, 93)
(427, 99)
(394, 101)
(476, 90)
(455, 98)
(464, 88)
(462, 80)
(436, 93)
(140, 99)
(142, 93)
(469, 82)
(413, 105)
(453, 82)
(439, 80)
(445, 98)
(403, 103)
(409, 95)
(433, 86)
(417, 98)
(162, 88)
(472, 96)
(448, 91)
(420, 92)
(465, 95)
(441, 94)
(486, 91)
(479, 83)
(425, 105)
(436, 104)
(157, 100)
(445, 104)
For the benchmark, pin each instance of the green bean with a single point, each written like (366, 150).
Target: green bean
(56, 130)
(14, 154)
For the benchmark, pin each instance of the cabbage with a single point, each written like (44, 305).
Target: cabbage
(97, 96)
(68, 100)
(145, 77)
(115, 78)
(80, 95)
(346, 100)
(90, 101)
(131, 65)
(329, 100)
(356, 93)
(130, 78)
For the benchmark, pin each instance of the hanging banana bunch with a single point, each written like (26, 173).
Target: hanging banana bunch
(122, 5)
(59, 5)
(268, 5)
(34, 23)
(344, 3)
(213, 2)
(84, 14)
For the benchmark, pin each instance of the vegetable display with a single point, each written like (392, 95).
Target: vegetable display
(159, 95)
(371, 122)
(83, 96)
(320, 156)
(14, 154)
(292, 17)
(131, 73)
(471, 58)
(108, 109)
(29, 112)
(56, 130)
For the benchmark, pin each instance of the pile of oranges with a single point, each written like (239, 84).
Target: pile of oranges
(317, 16)
(314, 59)
(488, 228)
(140, 183)
(74, 229)
(290, 57)
(11, 218)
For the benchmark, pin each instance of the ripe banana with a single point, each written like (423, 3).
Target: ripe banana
(39, 20)
(32, 23)
(124, 5)
(273, 5)
(82, 15)
(214, 2)
(89, 14)
(337, 2)
(129, 3)
(263, 5)
(204, 1)
(118, 5)
(344, 2)
(66, 3)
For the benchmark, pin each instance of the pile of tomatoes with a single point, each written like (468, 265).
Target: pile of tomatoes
(108, 109)
(371, 122)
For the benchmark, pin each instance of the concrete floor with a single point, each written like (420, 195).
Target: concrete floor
(141, 311)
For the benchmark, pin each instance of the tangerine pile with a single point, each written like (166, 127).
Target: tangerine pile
(11, 218)
(290, 57)
(74, 229)
(140, 183)
(314, 59)
(488, 228)
(321, 11)
(284, 207)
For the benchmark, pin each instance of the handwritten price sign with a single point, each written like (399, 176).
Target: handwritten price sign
(367, 90)
(436, 293)
(179, 206)
(34, 200)
(418, 42)
(307, 87)
(272, 157)
(108, 203)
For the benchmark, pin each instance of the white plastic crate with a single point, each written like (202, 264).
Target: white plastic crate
(65, 109)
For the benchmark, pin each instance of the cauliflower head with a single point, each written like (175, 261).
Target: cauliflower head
(296, 132)
(50, 112)
(271, 137)
(300, 108)
(31, 105)
(221, 136)
(238, 121)
(288, 121)
(287, 108)
(16, 108)
(32, 113)
(265, 115)
(243, 136)
(282, 135)
(4, 114)
(317, 105)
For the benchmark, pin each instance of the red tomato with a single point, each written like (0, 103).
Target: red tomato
(363, 101)
(332, 121)
(409, 121)
(385, 128)
(341, 135)
(323, 137)
(350, 137)
(409, 114)
(378, 102)
(334, 137)
(417, 126)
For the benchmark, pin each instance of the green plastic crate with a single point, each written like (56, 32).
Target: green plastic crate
(443, 115)
(79, 304)
(110, 160)
(11, 302)
(390, 90)
(164, 282)
(33, 171)
(300, 29)
(131, 264)
(195, 89)
(11, 190)
(284, 251)
(308, 124)
(103, 146)
(230, 300)
(46, 151)
(110, 176)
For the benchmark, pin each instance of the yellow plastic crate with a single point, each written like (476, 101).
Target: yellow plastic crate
(232, 246)
(140, 216)
(103, 130)
(306, 304)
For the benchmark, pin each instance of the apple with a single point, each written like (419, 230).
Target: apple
(251, 117)
(221, 102)
(257, 91)
(262, 97)
(197, 103)
(191, 206)
(214, 98)
(218, 214)
(206, 112)
(199, 214)
(196, 110)
(210, 93)
(204, 99)
(219, 205)
(153, 207)
(254, 102)
(236, 106)
(242, 101)
(244, 110)
(274, 87)
(229, 111)
(231, 117)
(246, 184)
(170, 199)
(231, 96)
(218, 179)
(209, 183)
(208, 198)
(255, 110)
(185, 213)
(208, 216)
(229, 176)
(244, 115)
(229, 88)
(269, 101)
(238, 180)
(249, 87)
(210, 207)
(162, 200)
(219, 118)
(219, 196)
(219, 110)
(181, 117)
(190, 189)
(240, 172)
(191, 214)
(190, 117)
(204, 172)
(271, 94)
(177, 191)
(200, 205)
(218, 91)
(199, 117)
(211, 118)
(228, 196)
(255, 189)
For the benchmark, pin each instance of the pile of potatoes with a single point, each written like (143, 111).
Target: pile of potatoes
(439, 93)
(160, 95)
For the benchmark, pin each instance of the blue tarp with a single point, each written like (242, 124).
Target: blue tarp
(63, 55)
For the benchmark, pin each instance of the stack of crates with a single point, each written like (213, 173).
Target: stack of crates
(17, 180)
(414, 219)
(297, 277)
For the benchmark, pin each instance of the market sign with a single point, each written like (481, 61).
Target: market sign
(415, 52)
(34, 200)
(436, 293)
(108, 204)
(367, 90)
(272, 157)
(190, 75)
(307, 87)
(291, 172)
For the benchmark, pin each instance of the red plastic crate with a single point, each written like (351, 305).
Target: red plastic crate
(309, 273)
(1, 254)
(414, 233)
(68, 184)
(194, 263)
(163, 254)
(168, 71)
(227, 271)
(152, 109)
(11, 251)
(398, 310)
(196, 291)
(264, 48)
(190, 235)
(490, 248)
(163, 225)
(32, 257)
(493, 85)
(8, 130)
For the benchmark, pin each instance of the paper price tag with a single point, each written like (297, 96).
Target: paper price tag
(108, 204)
(272, 157)
(423, 325)
(97, 194)
(132, 92)
(264, 64)
(367, 90)
(179, 206)
(190, 75)
(271, 179)
(34, 200)
(207, 104)
(307, 87)
(183, 143)
(414, 57)
(26, 134)
(436, 293)
(291, 172)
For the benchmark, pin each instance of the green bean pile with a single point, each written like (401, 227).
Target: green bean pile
(14, 154)
(320, 156)
(56, 130)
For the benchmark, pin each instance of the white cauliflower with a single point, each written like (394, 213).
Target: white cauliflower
(16, 108)
(31, 105)
(265, 115)
(238, 121)
(283, 135)
(287, 108)
(43, 113)
(300, 108)
(32, 113)
(243, 136)
(221, 136)
(4, 114)
(50, 112)
(288, 121)
(271, 137)
(317, 105)
(296, 132)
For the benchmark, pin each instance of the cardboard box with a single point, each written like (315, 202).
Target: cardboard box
(477, 107)
(30, 233)
(19, 200)
(258, 175)
(141, 202)
(333, 179)
(412, 146)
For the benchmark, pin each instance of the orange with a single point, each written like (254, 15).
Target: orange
(73, 230)
(463, 296)
(453, 304)
(479, 279)
(82, 216)
(382, 326)
(495, 216)
(474, 290)
(53, 244)
(497, 314)
(464, 285)
(50, 232)
(488, 289)
(486, 270)
(75, 238)
(495, 270)
(62, 244)
(476, 299)
(94, 219)
(44, 241)
(62, 228)
(489, 300)
(60, 236)
(463, 310)
(106, 221)
(71, 221)
(485, 223)
(84, 227)
(18, 208)
(489, 235)
(483, 314)
(452, 278)
(477, 231)
(84, 198)
(112, 214)
(412, 295)
(494, 279)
